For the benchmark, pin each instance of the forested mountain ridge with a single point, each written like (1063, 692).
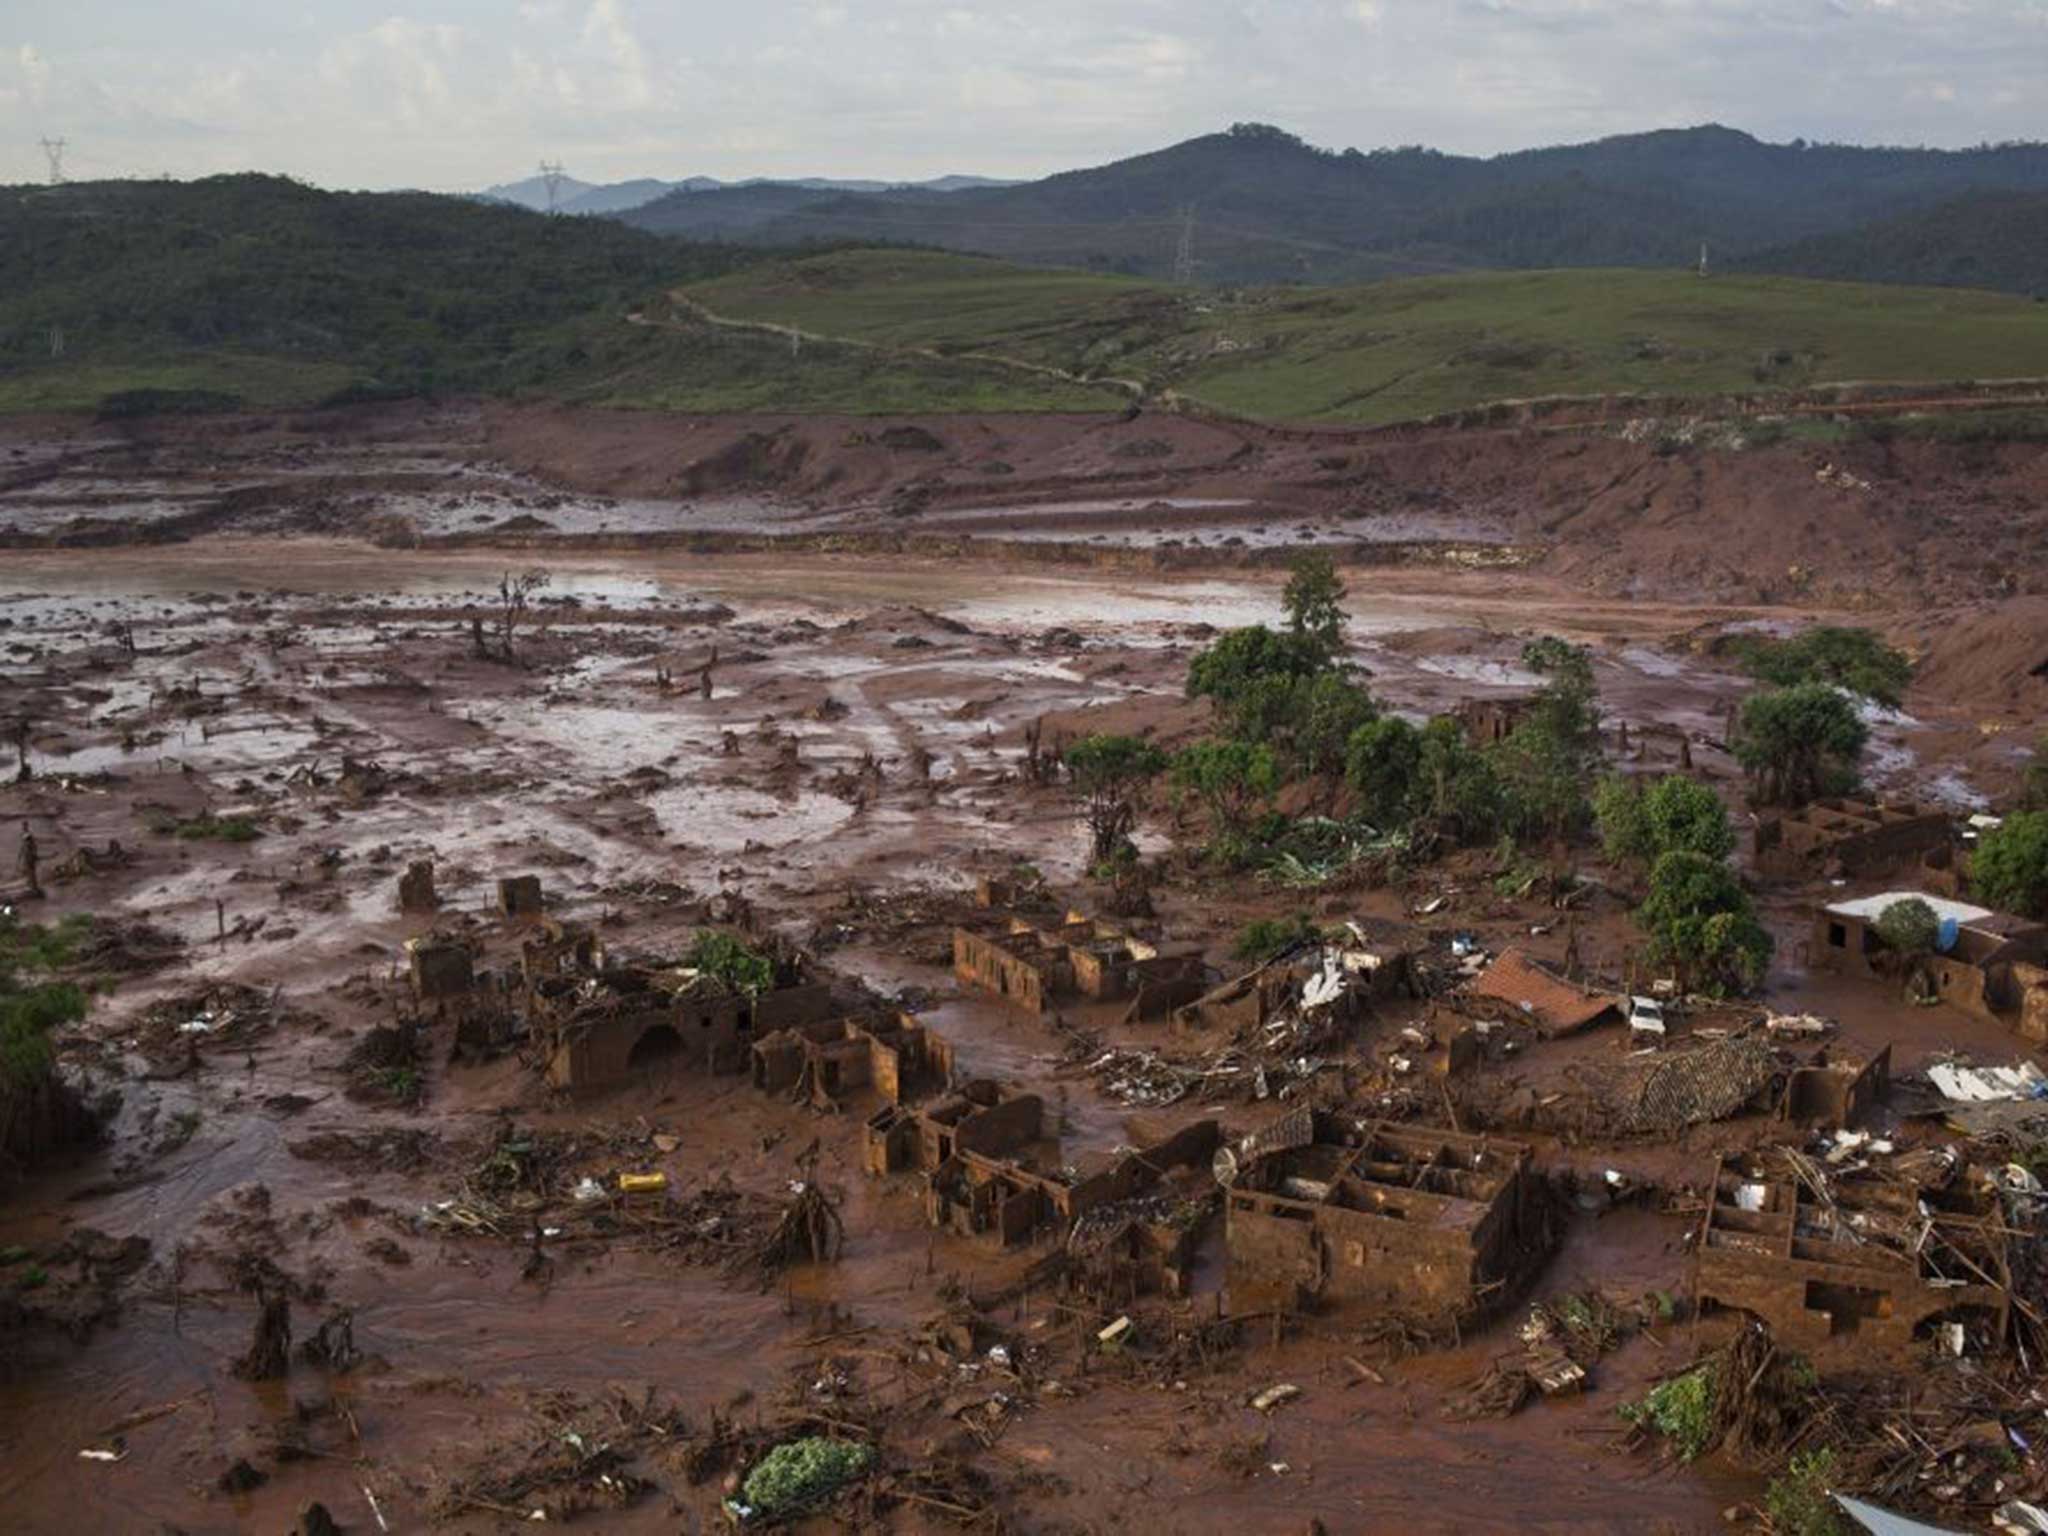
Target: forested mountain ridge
(1258, 204)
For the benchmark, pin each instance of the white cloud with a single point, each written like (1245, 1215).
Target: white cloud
(35, 71)
(607, 30)
(459, 93)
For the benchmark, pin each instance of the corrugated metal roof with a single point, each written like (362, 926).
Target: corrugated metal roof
(1870, 907)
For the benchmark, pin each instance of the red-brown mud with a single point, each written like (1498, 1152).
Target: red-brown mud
(260, 664)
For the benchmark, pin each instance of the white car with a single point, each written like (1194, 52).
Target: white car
(1645, 1019)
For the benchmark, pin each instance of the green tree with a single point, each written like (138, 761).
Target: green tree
(1639, 824)
(1700, 922)
(1108, 774)
(1460, 790)
(1329, 709)
(1314, 599)
(2034, 785)
(1855, 659)
(1910, 928)
(1244, 660)
(1546, 762)
(2009, 870)
(1799, 742)
(1235, 781)
(1383, 764)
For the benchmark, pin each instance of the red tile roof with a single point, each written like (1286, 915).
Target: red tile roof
(1554, 1004)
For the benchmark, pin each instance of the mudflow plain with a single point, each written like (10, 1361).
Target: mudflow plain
(801, 682)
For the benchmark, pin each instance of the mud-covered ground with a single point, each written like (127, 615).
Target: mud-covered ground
(314, 615)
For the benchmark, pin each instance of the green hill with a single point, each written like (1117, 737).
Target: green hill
(1260, 205)
(262, 290)
(1404, 349)
(1986, 240)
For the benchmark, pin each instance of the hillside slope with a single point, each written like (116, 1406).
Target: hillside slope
(1986, 240)
(1397, 351)
(1259, 205)
(261, 290)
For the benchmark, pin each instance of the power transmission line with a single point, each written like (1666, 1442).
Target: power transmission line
(54, 148)
(1184, 252)
(551, 173)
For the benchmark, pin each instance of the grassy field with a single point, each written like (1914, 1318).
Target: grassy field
(1415, 347)
(82, 385)
(702, 368)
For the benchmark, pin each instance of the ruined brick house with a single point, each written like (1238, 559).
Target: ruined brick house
(1144, 1245)
(981, 1116)
(1325, 1209)
(1992, 964)
(1870, 1265)
(599, 1025)
(1487, 721)
(1036, 965)
(992, 1170)
(1860, 839)
(889, 1055)
(1836, 1093)
(1016, 1199)
(442, 971)
(1338, 979)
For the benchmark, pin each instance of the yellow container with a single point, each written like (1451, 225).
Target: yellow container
(642, 1183)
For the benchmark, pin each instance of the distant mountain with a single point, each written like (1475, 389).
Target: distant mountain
(533, 192)
(1258, 204)
(1985, 240)
(618, 197)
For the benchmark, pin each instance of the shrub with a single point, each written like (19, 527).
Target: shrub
(1260, 940)
(800, 1473)
(726, 960)
(1855, 659)
(223, 829)
(1909, 927)
(1681, 1410)
(1801, 1502)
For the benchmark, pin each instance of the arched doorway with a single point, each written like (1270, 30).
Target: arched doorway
(656, 1046)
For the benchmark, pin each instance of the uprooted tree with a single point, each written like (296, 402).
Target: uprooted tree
(1109, 775)
(515, 600)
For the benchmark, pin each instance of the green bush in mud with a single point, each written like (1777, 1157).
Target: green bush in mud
(1681, 1410)
(220, 829)
(1801, 1502)
(29, 1010)
(800, 1473)
(1266, 937)
(726, 960)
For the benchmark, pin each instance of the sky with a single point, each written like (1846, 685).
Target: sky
(459, 94)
